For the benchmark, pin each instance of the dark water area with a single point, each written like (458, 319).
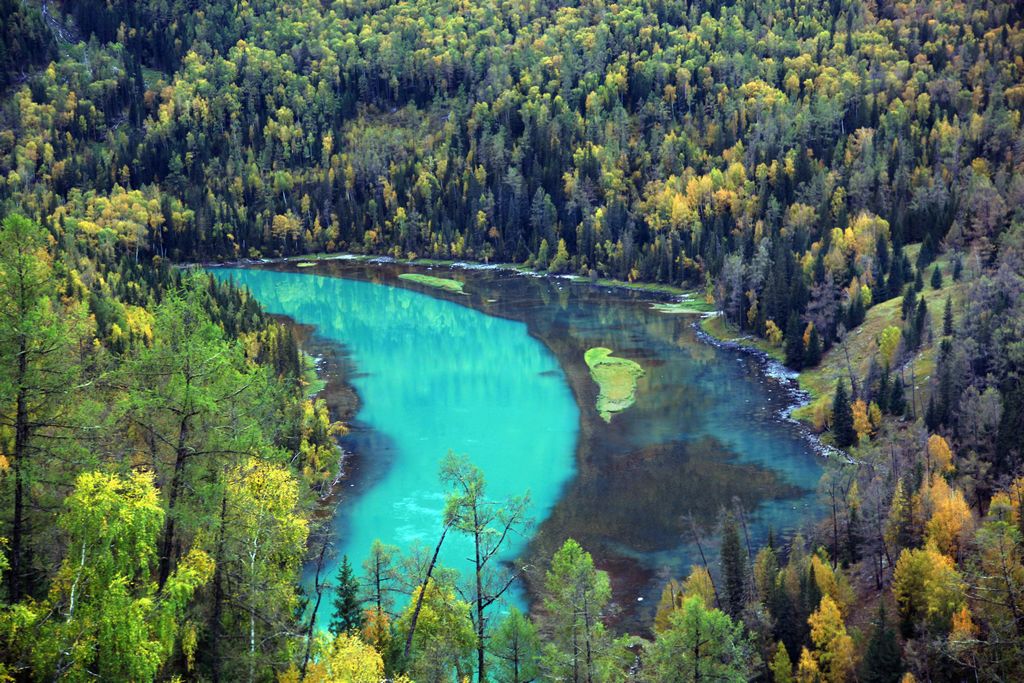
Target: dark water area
(707, 430)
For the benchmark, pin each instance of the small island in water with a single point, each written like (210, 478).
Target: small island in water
(437, 282)
(616, 378)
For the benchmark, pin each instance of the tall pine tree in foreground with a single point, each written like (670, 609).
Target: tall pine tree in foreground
(347, 615)
(842, 419)
(882, 661)
(734, 567)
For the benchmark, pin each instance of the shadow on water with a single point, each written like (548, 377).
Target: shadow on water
(704, 432)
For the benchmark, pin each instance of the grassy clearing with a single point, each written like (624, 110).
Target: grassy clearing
(453, 286)
(687, 304)
(861, 345)
(616, 379)
(717, 327)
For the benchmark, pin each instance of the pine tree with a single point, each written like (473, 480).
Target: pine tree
(794, 343)
(936, 277)
(947, 318)
(347, 615)
(781, 666)
(897, 400)
(909, 303)
(918, 281)
(734, 566)
(882, 661)
(842, 418)
(813, 354)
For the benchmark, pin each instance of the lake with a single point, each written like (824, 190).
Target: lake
(498, 373)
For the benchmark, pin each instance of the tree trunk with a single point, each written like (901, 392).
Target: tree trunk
(167, 544)
(419, 598)
(218, 593)
(318, 587)
(21, 434)
(479, 600)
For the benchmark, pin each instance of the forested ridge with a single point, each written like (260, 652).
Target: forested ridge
(842, 179)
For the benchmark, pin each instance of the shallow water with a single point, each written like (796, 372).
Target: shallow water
(499, 374)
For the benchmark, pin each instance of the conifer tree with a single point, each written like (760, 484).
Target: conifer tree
(734, 567)
(882, 661)
(936, 277)
(813, 354)
(347, 615)
(947, 318)
(842, 418)
(794, 343)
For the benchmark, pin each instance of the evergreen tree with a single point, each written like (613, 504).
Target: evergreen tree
(734, 567)
(920, 322)
(813, 354)
(936, 277)
(947, 318)
(347, 615)
(794, 343)
(842, 418)
(909, 303)
(897, 400)
(958, 269)
(882, 661)
(918, 281)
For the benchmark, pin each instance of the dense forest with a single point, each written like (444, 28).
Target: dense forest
(843, 179)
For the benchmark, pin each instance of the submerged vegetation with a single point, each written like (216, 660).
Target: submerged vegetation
(616, 379)
(446, 284)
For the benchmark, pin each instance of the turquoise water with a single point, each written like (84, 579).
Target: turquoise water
(499, 374)
(433, 376)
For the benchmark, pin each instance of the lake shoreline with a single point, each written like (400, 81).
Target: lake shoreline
(676, 293)
(627, 574)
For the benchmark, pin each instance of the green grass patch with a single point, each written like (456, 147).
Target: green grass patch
(860, 345)
(616, 379)
(716, 326)
(687, 304)
(306, 264)
(453, 286)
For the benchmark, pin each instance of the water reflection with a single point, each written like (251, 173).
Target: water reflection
(702, 435)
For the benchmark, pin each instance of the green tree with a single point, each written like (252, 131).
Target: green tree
(267, 541)
(516, 647)
(36, 371)
(936, 281)
(105, 617)
(882, 660)
(192, 400)
(574, 598)
(781, 665)
(443, 638)
(348, 614)
(700, 644)
(488, 524)
(734, 567)
(843, 432)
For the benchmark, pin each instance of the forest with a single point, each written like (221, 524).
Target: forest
(843, 180)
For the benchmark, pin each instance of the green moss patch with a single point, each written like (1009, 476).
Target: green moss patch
(616, 379)
(686, 304)
(453, 286)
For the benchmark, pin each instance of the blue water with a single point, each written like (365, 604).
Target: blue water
(432, 376)
(437, 371)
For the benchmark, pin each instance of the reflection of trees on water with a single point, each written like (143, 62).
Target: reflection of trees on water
(702, 433)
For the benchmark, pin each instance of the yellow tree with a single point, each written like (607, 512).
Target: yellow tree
(950, 522)
(105, 617)
(833, 647)
(928, 589)
(262, 500)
